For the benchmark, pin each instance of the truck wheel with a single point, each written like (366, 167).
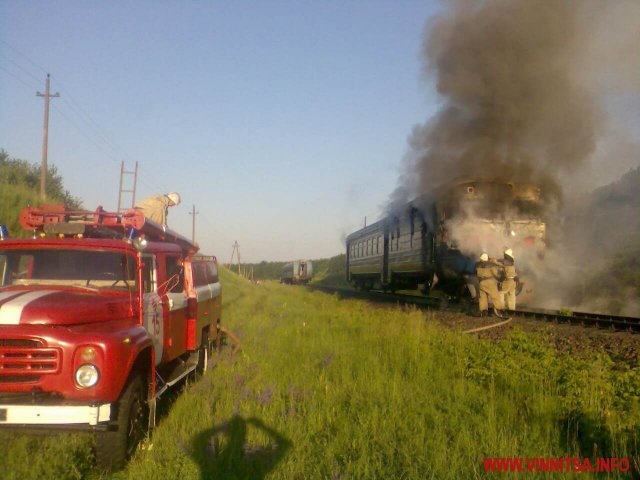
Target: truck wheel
(203, 359)
(218, 340)
(204, 354)
(113, 449)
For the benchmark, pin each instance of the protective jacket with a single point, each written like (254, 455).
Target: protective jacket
(155, 208)
(488, 275)
(509, 283)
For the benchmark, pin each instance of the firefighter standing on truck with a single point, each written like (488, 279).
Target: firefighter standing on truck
(488, 275)
(156, 207)
(509, 280)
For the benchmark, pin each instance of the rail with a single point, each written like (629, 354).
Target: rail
(584, 319)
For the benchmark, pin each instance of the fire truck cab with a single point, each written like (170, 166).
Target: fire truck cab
(100, 313)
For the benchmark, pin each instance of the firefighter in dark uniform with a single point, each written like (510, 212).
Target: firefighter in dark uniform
(489, 273)
(509, 280)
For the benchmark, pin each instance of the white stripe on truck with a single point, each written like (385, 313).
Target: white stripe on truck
(11, 311)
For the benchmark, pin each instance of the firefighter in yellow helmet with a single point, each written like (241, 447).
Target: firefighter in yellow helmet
(156, 207)
(509, 279)
(489, 273)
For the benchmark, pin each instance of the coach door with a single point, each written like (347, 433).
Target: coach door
(385, 256)
(152, 304)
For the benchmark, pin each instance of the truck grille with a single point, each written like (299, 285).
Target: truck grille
(23, 361)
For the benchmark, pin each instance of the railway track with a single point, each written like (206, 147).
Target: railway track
(584, 319)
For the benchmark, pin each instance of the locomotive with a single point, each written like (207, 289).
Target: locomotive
(297, 272)
(434, 241)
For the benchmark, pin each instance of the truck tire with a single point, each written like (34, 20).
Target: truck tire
(218, 339)
(113, 449)
(204, 355)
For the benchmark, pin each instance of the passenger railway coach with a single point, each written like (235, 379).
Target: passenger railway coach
(436, 240)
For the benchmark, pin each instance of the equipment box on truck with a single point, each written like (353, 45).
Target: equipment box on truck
(100, 313)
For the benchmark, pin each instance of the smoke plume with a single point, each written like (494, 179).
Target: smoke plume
(516, 81)
(525, 91)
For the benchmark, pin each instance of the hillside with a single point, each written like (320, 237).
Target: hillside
(19, 187)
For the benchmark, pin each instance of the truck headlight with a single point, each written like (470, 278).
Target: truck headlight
(87, 375)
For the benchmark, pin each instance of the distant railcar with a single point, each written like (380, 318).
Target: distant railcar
(297, 272)
(434, 241)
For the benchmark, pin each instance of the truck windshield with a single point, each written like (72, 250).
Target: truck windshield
(94, 269)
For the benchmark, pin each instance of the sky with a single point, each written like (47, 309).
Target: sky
(283, 122)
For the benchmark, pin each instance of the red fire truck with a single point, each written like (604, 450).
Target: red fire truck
(100, 313)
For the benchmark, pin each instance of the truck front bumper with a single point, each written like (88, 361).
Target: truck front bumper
(54, 415)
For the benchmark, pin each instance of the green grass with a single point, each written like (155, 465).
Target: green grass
(328, 388)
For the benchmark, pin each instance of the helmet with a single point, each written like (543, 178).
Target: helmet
(508, 252)
(484, 257)
(174, 197)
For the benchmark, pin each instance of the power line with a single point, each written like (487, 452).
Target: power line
(24, 56)
(84, 134)
(92, 131)
(30, 87)
(24, 70)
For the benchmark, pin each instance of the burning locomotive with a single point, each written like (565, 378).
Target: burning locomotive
(434, 241)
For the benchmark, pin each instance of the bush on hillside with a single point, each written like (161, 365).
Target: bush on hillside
(19, 188)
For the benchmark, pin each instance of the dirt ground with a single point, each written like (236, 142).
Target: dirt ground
(571, 339)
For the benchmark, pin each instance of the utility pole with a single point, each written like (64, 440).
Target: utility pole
(45, 138)
(193, 224)
(124, 172)
(236, 252)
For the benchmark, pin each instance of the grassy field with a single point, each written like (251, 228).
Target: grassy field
(335, 389)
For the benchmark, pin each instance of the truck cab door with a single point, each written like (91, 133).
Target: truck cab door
(152, 304)
(174, 290)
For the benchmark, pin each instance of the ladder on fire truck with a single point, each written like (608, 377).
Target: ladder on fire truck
(57, 220)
